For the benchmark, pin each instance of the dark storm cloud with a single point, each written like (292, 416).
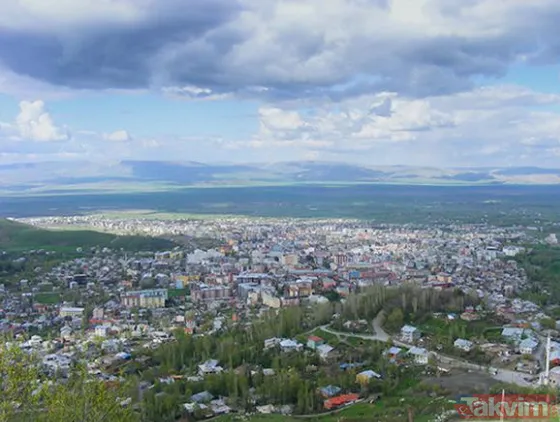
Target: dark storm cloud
(249, 48)
(112, 56)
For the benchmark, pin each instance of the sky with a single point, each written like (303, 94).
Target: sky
(443, 83)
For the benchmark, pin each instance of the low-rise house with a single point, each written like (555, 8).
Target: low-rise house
(66, 333)
(209, 367)
(513, 334)
(338, 401)
(270, 343)
(73, 312)
(202, 397)
(266, 409)
(528, 367)
(410, 334)
(365, 377)
(219, 407)
(313, 342)
(394, 354)
(329, 391)
(464, 345)
(288, 345)
(419, 355)
(347, 366)
(324, 350)
(102, 330)
(528, 346)
(191, 407)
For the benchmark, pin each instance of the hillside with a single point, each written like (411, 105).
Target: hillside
(18, 236)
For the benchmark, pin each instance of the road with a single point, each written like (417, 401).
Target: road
(503, 375)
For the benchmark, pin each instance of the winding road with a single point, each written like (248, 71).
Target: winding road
(503, 375)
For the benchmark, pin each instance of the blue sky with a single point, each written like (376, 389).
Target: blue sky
(432, 82)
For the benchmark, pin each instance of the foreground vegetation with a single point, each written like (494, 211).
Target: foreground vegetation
(28, 396)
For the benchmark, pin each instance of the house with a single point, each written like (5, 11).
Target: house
(464, 345)
(553, 377)
(324, 350)
(202, 397)
(66, 332)
(528, 346)
(102, 330)
(219, 407)
(210, 367)
(266, 409)
(329, 391)
(410, 334)
(191, 407)
(267, 372)
(366, 376)
(512, 333)
(470, 316)
(270, 343)
(528, 367)
(394, 354)
(338, 401)
(346, 366)
(288, 345)
(419, 355)
(313, 342)
(73, 312)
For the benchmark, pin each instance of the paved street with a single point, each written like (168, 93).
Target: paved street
(503, 375)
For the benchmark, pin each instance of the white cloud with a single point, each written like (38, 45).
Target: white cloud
(483, 126)
(36, 124)
(117, 136)
(193, 93)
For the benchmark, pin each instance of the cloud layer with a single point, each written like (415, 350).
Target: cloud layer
(378, 81)
(280, 49)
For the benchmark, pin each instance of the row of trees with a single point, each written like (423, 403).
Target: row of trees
(298, 376)
(542, 266)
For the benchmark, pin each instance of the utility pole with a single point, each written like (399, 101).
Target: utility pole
(410, 415)
(547, 363)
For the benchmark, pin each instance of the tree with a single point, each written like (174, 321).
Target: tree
(395, 319)
(28, 395)
(548, 323)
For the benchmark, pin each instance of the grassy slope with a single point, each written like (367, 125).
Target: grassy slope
(18, 236)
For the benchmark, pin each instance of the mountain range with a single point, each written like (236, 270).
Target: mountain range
(146, 175)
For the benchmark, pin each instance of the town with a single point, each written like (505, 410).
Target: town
(355, 307)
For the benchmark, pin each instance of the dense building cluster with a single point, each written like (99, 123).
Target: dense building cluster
(123, 300)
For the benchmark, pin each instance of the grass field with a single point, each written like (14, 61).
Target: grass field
(20, 237)
(392, 409)
(47, 298)
(503, 205)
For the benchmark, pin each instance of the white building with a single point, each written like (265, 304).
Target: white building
(71, 312)
(288, 345)
(324, 350)
(102, 330)
(210, 367)
(464, 345)
(420, 355)
(410, 334)
(528, 346)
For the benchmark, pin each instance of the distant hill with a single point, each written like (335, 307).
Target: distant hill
(62, 177)
(18, 236)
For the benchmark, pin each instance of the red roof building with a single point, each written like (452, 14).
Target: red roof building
(341, 400)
